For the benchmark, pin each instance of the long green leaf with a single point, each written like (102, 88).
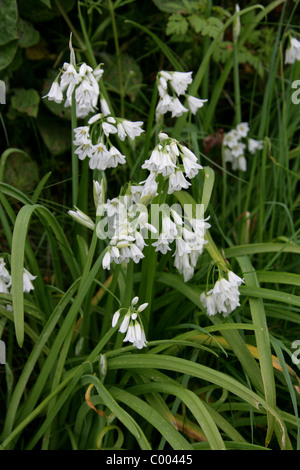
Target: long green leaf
(262, 341)
(117, 410)
(150, 414)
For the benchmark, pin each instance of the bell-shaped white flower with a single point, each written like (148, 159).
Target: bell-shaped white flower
(27, 281)
(293, 51)
(5, 278)
(254, 145)
(55, 93)
(82, 218)
(224, 296)
(195, 103)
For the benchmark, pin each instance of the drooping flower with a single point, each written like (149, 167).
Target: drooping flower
(131, 324)
(195, 103)
(55, 93)
(254, 145)
(27, 281)
(5, 278)
(171, 85)
(82, 218)
(293, 51)
(174, 161)
(234, 147)
(224, 296)
(94, 140)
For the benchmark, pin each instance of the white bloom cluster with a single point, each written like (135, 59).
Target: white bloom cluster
(173, 161)
(5, 279)
(189, 237)
(293, 51)
(131, 324)
(127, 222)
(83, 81)
(224, 296)
(170, 86)
(234, 147)
(93, 141)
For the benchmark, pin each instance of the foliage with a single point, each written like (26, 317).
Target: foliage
(202, 382)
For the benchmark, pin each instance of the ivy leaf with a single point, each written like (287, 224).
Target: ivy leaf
(7, 53)
(26, 101)
(177, 24)
(27, 34)
(8, 21)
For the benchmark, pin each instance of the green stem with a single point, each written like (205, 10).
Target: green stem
(115, 33)
(69, 23)
(74, 155)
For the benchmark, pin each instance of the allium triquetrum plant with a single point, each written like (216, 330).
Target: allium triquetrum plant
(170, 316)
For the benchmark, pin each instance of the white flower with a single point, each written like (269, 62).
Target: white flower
(115, 158)
(70, 77)
(231, 138)
(177, 182)
(238, 149)
(98, 72)
(115, 318)
(27, 278)
(242, 129)
(94, 118)
(132, 129)
(163, 106)
(99, 157)
(180, 81)
(99, 195)
(104, 107)
(85, 149)
(191, 168)
(239, 163)
(177, 108)
(125, 323)
(81, 135)
(5, 278)
(55, 93)
(132, 326)
(293, 51)
(254, 145)
(82, 218)
(109, 128)
(195, 103)
(224, 296)
(134, 301)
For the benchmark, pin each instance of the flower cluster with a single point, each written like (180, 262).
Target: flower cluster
(131, 324)
(234, 147)
(293, 51)
(189, 237)
(127, 222)
(83, 82)
(173, 161)
(170, 86)
(224, 296)
(5, 279)
(93, 141)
